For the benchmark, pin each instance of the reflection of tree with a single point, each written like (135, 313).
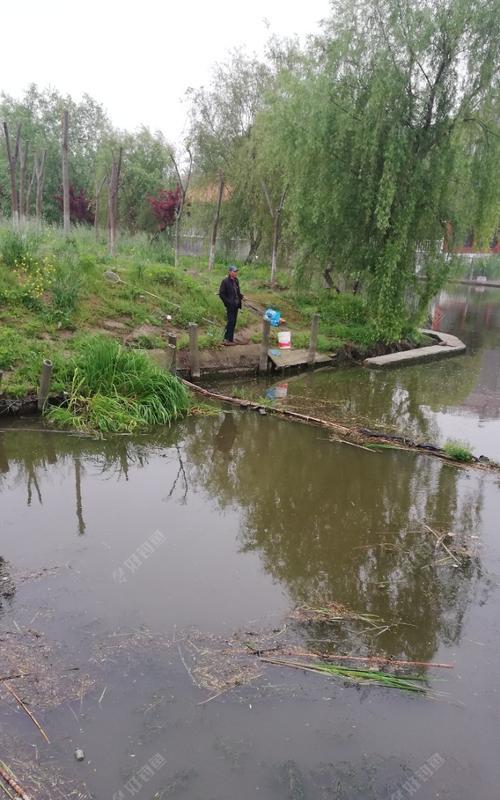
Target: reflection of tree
(180, 476)
(335, 523)
(25, 459)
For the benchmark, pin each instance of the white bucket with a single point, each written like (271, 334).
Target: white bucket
(281, 391)
(284, 340)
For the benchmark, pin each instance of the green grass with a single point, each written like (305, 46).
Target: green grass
(118, 390)
(458, 451)
(53, 291)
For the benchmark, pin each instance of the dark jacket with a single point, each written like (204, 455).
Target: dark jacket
(230, 293)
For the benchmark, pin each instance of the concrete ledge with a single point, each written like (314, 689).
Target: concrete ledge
(448, 345)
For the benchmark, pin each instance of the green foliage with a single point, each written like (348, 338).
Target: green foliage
(21, 351)
(458, 451)
(39, 112)
(65, 292)
(344, 317)
(113, 390)
(18, 248)
(463, 267)
(383, 144)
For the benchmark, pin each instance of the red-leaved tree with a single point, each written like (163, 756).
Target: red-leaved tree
(165, 206)
(80, 207)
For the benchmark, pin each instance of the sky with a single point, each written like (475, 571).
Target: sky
(138, 58)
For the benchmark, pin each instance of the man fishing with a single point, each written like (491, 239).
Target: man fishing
(230, 294)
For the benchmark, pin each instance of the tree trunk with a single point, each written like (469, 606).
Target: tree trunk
(184, 186)
(327, 276)
(255, 240)
(12, 162)
(98, 190)
(29, 191)
(113, 186)
(176, 244)
(276, 217)
(40, 177)
(276, 241)
(65, 173)
(23, 158)
(215, 225)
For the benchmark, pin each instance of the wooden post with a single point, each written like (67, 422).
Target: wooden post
(172, 353)
(313, 342)
(266, 328)
(45, 378)
(194, 353)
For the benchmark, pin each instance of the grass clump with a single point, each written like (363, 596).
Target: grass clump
(458, 451)
(117, 390)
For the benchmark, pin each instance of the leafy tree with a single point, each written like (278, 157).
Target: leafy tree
(394, 119)
(80, 206)
(165, 207)
(222, 116)
(147, 168)
(40, 113)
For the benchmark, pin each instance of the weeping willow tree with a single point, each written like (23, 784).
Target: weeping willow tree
(391, 135)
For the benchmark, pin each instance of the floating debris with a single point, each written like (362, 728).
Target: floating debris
(39, 780)
(218, 664)
(459, 554)
(406, 683)
(41, 670)
(332, 612)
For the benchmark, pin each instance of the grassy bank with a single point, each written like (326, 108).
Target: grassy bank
(53, 296)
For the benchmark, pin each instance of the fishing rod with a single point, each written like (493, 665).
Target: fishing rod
(113, 277)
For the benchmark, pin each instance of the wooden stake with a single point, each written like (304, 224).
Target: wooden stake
(266, 329)
(313, 342)
(172, 353)
(45, 378)
(194, 353)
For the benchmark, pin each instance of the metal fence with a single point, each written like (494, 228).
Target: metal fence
(198, 245)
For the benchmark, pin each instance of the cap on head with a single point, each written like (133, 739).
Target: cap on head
(232, 268)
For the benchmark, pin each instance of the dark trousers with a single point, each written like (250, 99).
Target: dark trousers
(232, 314)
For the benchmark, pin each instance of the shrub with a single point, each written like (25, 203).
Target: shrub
(66, 289)
(17, 248)
(113, 389)
(458, 451)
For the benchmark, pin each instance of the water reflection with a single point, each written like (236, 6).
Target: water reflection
(328, 522)
(335, 523)
(456, 398)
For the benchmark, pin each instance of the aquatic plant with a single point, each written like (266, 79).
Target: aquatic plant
(116, 390)
(459, 451)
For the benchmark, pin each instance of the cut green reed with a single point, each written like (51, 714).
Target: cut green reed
(408, 683)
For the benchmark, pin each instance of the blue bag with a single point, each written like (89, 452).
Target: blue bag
(272, 316)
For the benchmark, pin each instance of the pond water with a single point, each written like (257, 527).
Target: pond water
(453, 399)
(137, 560)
